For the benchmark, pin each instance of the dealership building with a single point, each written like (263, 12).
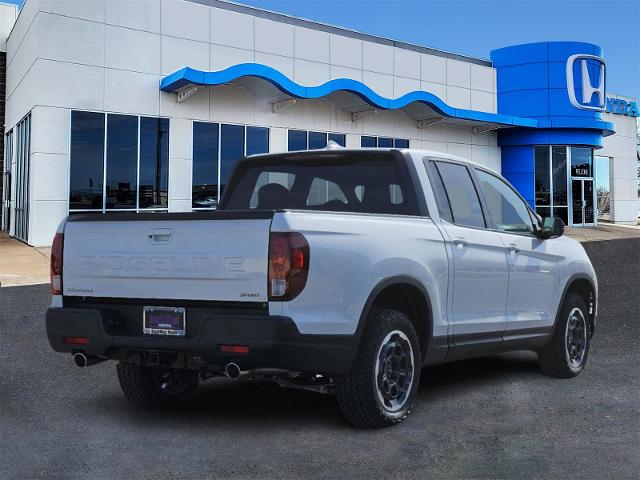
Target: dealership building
(116, 105)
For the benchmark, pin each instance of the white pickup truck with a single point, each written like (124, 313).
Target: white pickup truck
(341, 271)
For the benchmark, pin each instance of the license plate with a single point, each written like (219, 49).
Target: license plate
(164, 321)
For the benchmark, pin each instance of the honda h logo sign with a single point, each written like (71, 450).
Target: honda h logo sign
(588, 87)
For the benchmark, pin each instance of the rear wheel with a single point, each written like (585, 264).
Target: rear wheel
(156, 387)
(381, 388)
(566, 355)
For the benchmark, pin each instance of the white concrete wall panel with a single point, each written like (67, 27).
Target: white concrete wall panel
(406, 63)
(311, 73)
(273, 37)
(185, 20)
(144, 58)
(312, 45)
(71, 40)
(232, 29)
(283, 64)
(402, 86)
(23, 59)
(433, 68)
(44, 218)
(380, 83)
(178, 53)
(138, 14)
(224, 57)
(346, 51)
(377, 58)
(482, 78)
(68, 85)
(438, 89)
(482, 101)
(93, 10)
(459, 97)
(20, 28)
(50, 129)
(131, 92)
(8, 16)
(458, 73)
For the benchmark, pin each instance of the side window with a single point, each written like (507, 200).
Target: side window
(461, 194)
(441, 195)
(507, 209)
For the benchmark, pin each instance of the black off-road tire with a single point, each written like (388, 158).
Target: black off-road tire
(141, 387)
(357, 392)
(554, 358)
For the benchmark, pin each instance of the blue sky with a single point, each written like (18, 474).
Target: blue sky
(475, 27)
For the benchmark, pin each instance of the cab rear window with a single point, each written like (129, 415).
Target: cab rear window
(355, 182)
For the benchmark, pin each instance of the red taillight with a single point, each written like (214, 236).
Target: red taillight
(76, 340)
(288, 265)
(234, 349)
(56, 264)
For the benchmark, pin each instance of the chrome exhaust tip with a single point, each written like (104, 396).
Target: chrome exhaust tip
(232, 371)
(81, 360)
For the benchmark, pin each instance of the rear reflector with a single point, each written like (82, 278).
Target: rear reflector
(76, 340)
(234, 349)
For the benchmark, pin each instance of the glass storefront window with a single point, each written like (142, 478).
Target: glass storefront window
(231, 150)
(581, 162)
(317, 140)
(204, 184)
(383, 142)
(133, 152)
(217, 148)
(154, 163)
(86, 161)
(305, 140)
(257, 140)
(297, 140)
(122, 153)
(542, 178)
(339, 138)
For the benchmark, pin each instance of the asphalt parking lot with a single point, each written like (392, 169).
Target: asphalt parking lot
(494, 417)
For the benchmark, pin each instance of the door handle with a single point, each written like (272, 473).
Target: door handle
(513, 249)
(460, 242)
(160, 235)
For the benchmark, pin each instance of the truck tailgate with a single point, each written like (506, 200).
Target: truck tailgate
(209, 256)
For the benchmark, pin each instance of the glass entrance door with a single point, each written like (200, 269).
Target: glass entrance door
(582, 202)
(582, 191)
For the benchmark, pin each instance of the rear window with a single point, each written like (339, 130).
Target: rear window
(360, 183)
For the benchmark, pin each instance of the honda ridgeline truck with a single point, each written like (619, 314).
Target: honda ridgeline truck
(341, 271)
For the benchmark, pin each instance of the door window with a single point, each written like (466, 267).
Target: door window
(461, 195)
(508, 211)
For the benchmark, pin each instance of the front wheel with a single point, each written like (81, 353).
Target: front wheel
(381, 387)
(566, 355)
(156, 387)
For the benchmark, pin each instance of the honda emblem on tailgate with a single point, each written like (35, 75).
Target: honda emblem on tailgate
(588, 89)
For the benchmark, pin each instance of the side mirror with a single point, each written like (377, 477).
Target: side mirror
(552, 227)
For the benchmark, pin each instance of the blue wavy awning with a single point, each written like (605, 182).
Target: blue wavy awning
(187, 76)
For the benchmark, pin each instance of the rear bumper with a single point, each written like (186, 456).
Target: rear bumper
(273, 341)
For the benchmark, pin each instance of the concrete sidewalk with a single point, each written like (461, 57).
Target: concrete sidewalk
(21, 264)
(604, 231)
